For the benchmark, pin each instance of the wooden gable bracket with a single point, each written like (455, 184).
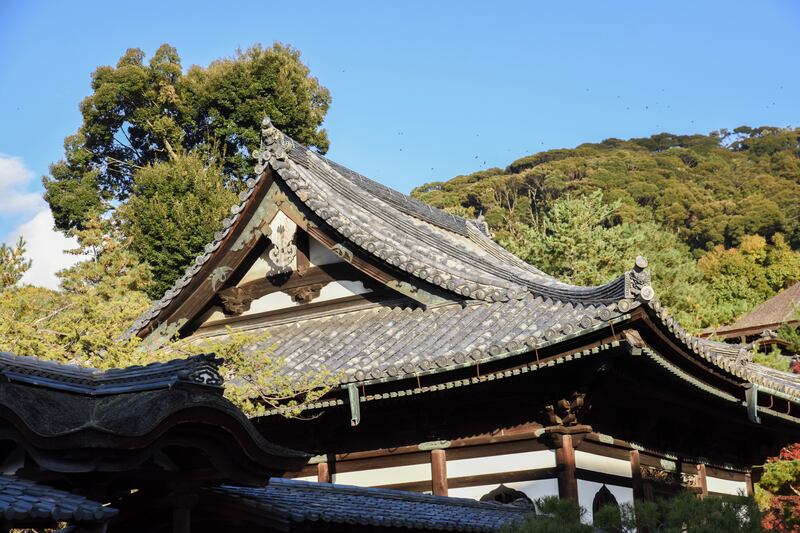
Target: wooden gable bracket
(355, 404)
(751, 399)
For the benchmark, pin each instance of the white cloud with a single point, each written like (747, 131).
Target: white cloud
(15, 180)
(45, 248)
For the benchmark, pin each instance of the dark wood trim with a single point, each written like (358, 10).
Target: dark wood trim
(565, 460)
(498, 448)
(636, 476)
(732, 475)
(701, 478)
(303, 254)
(382, 461)
(267, 318)
(748, 484)
(439, 472)
(603, 477)
(502, 477)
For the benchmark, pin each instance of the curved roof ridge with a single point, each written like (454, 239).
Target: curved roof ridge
(461, 263)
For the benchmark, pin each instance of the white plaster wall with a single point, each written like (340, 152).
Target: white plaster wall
(385, 476)
(599, 463)
(511, 462)
(532, 489)
(588, 489)
(726, 486)
(319, 255)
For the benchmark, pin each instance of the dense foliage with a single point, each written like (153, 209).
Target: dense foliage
(142, 114)
(13, 263)
(102, 295)
(168, 149)
(717, 216)
(683, 514)
(173, 212)
(778, 490)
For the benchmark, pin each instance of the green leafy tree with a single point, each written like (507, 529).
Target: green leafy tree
(685, 513)
(103, 294)
(140, 114)
(173, 212)
(577, 240)
(13, 264)
(778, 490)
(741, 278)
(709, 189)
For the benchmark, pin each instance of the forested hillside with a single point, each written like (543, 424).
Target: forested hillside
(718, 215)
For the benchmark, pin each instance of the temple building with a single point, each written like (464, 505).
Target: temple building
(460, 369)
(157, 448)
(759, 327)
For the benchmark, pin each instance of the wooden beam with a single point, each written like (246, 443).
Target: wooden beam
(636, 476)
(701, 478)
(439, 472)
(303, 251)
(748, 484)
(565, 460)
(323, 472)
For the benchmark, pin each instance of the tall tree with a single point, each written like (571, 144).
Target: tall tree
(140, 114)
(174, 210)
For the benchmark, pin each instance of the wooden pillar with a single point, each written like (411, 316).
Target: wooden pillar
(565, 460)
(748, 484)
(439, 472)
(701, 478)
(636, 476)
(323, 472)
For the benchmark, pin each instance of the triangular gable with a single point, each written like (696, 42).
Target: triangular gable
(394, 247)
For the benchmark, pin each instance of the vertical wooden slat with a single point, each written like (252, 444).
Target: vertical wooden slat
(323, 472)
(701, 476)
(748, 484)
(439, 472)
(565, 459)
(636, 476)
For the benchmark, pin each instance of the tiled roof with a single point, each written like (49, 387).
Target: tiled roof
(198, 370)
(23, 500)
(303, 501)
(382, 343)
(442, 249)
(390, 342)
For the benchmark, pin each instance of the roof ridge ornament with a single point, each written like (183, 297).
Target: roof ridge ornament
(637, 281)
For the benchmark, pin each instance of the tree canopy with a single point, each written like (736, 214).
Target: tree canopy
(140, 114)
(717, 216)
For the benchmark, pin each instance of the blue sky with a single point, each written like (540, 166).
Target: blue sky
(422, 91)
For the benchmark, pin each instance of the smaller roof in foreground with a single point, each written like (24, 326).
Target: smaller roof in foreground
(304, 501)
(23, 501)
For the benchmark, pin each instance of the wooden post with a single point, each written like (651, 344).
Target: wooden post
(748, 484)
(701, 477)
(439, 472)
(636, 476)
(565, 460)
(323, 472)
